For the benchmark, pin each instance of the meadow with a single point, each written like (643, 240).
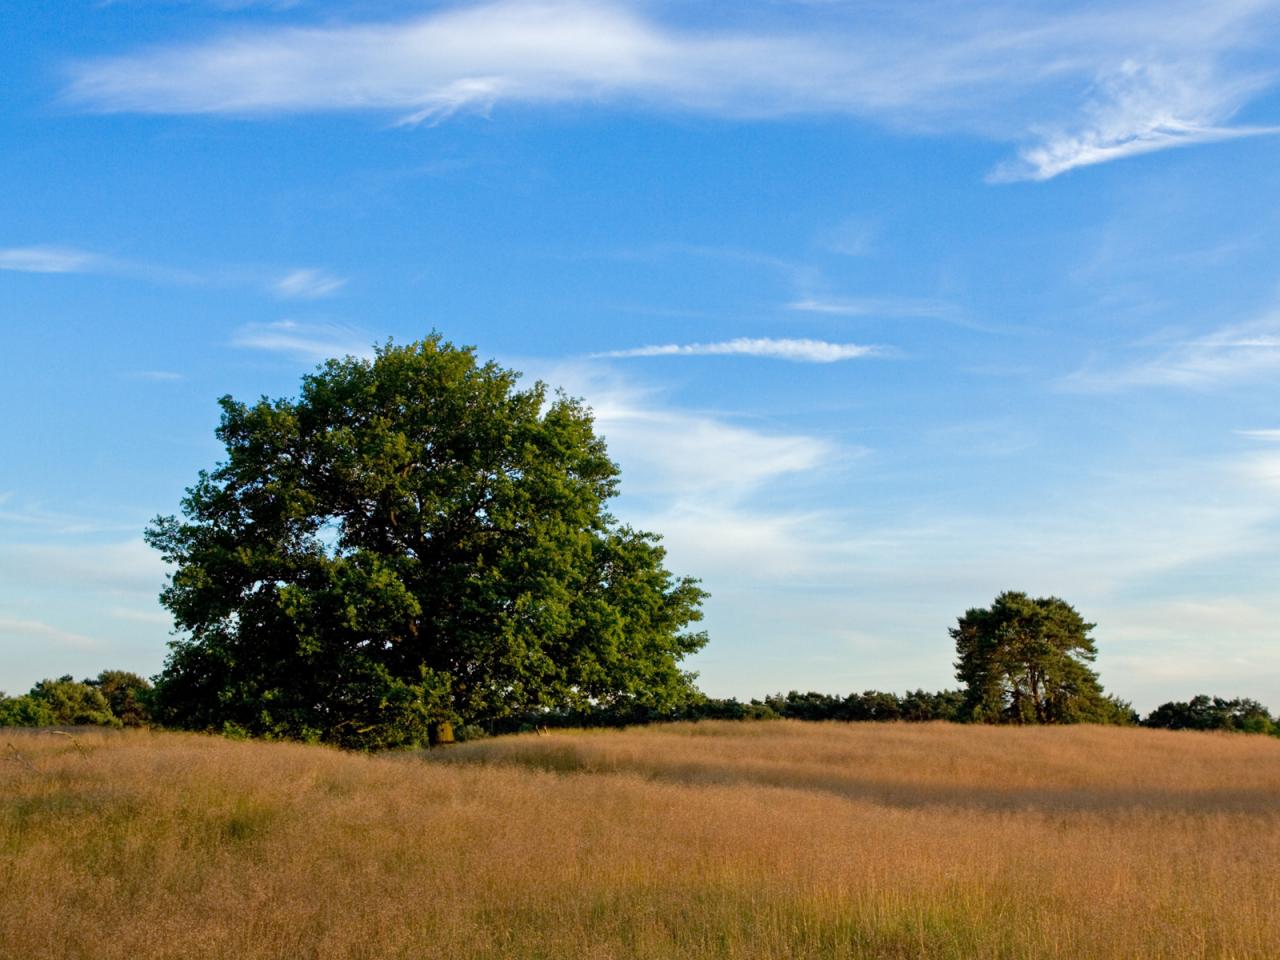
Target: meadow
(752, 840)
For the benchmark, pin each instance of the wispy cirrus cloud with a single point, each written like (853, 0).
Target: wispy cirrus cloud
(308, 283)
(298, 283)
(1141, 107)
(49, 259)
(304, 341)
(1076, 86)
(130, 615)
(873, 306)
(21, 632)
(1242, 351)
(118, 568)
(1068, 151)
(799, 351)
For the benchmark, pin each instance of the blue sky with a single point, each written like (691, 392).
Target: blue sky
(882, 307)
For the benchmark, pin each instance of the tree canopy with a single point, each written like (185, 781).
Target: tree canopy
(1203, 712)
(412, 539)
(1026, 660)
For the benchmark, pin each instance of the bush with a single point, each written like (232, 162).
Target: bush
(25, 711)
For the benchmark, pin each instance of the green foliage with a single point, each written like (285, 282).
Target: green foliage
(1025, 660)
(128, 695)
(25, 711)
(115, 698)
(72, 703)
(1214, 713)
(413, 539)
(1111, 709)
(916, 706)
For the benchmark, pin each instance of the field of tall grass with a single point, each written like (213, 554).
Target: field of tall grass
(762, 840)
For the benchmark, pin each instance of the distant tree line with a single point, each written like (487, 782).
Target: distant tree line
(114, 698)
(914, 706)
(1214, 713)
(118, 698)
(873, 705)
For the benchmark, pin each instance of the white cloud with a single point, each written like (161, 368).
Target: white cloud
(1142, 107)
(1236, 352)
(308, 284)
(130, 615)
(1066, 152)
(1083, 85)
(122, 567)
(873, 306)
(681, 455)
(303, 283)
(47, 259)
(37, 516)
(157, 376)
(35, 633)
(801, 351)
(306, 341)
(738, 546)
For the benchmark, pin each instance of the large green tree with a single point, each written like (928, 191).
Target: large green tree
(1027, 660)
(414, 538)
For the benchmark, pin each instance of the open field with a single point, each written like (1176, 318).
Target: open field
(710, 840)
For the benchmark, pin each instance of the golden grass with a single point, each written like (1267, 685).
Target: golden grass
(709, 840)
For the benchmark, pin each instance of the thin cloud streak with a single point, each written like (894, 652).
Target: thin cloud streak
(308, 284)
(19, 631)
(47, 259)
(872, 307)
(123, 567)
(893, 308)
(798, 351)
(1157, 75)
(129, 615)
(305, 341)
(301, 283)
(1233, 353)
(1061, 154)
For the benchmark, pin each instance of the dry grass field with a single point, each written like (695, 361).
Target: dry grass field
(710, 840)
